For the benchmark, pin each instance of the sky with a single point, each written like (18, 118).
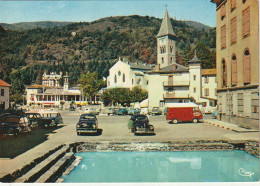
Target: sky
(89, 10)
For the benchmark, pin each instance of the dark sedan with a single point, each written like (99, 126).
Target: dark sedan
(14, 125)
(87, 124)
(141, 125)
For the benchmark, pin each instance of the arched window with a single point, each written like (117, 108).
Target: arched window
(115, 79)
(234, 70)
(132, 81)
(171, 49)
(247, 66)
(224, 73)
(162, 60)
(171, 61)
(124, 77)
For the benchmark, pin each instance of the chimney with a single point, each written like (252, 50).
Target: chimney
(174, 67)
(157, 67)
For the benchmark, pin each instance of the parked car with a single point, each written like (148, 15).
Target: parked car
(215, 114)
(36, 120)
(141, 125)
(110, 111)
(156, 111)
(122, 111)
(144, 111)
(134, 111)
(88, 123)
(90, 111)
(54, 118)
(72, 108)
(14, 125)
(179, 112)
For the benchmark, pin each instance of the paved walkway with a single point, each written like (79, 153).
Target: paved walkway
(228, 126)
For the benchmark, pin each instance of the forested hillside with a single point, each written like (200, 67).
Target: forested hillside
(80, 47)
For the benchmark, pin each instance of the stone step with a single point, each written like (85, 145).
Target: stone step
(57, 169)
(42, 167)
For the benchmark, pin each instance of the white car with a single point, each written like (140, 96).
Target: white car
(144, 111)
(90, 111)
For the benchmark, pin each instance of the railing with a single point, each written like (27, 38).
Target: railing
(176, 83)
(176, 95)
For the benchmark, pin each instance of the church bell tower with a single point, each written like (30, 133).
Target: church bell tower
(166, 39)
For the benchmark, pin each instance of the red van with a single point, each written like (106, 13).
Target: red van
(178, 112)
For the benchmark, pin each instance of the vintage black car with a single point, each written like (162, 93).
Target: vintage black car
(141, 125)
(36, 120)
(13, 124)
(52, 118)
(87, 124)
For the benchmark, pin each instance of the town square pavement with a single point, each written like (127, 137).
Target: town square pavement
(114, 129)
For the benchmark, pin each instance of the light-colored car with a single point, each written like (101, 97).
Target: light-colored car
(90, 111)
(54, 117)
(144, 111)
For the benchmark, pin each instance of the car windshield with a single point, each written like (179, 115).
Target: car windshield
(87, 117)
(141, 118)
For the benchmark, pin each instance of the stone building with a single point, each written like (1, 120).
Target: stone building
(238, 61)
(51, 79)
(4, 95)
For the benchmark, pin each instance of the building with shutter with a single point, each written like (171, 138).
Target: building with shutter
(238, 61)
(4, 95)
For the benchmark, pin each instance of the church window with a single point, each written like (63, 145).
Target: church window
(115, 79)
(194, 77)
(223, 37)
(119, 73)
(194, 89)
(233, 30)
(132, 81)
(162, 60)
(124, 77)
(247, 66)
(171, 61)
(234, 70)
(171, 49)
(246, 22)
(147, 82)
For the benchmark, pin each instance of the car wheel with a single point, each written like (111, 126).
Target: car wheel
(195, 120)
(175, 121)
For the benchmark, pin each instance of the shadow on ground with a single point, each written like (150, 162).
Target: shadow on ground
(99, 132)
(12, 146)
(145, 134)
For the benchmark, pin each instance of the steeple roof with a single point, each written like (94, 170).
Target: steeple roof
(166, 26)
(195, 59)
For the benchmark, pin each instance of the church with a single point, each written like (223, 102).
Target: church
(167, 81)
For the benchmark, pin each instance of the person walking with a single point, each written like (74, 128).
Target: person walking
(130, 124)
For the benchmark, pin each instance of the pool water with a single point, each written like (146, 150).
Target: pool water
(205, 166)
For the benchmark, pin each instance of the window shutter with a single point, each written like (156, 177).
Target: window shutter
(223, 11)
(234, 71)
(233, 5)
(246, 22)
(247, 69)
(233, 29)
(223, 37)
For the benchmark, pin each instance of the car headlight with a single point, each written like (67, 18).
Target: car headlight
(94, 126)
(77, 126)
(151, 127)
(137, 128)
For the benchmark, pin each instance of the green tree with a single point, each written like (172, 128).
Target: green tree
(90, 84)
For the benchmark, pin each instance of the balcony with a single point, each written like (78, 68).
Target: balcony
(171, 95)
(176, 83)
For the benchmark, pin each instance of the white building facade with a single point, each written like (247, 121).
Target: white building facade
(128, 75)
(4, 95)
